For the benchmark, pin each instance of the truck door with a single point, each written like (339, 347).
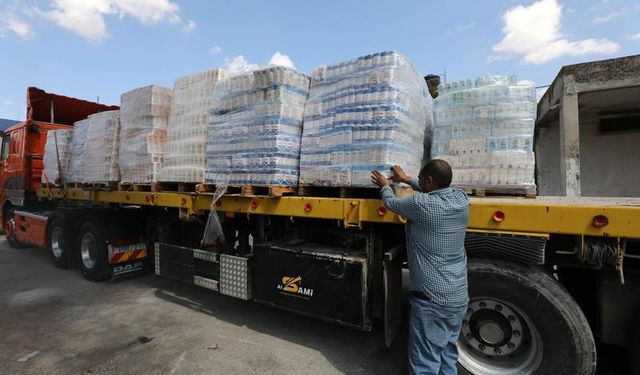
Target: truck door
(12, 178)
(4, 154)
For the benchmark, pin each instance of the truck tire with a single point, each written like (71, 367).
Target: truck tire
(10, 230)
(521, 321)
(91, 244)
(59, 252)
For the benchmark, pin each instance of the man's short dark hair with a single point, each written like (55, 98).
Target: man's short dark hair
(439, 170)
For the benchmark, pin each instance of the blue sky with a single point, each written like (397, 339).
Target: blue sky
(101, 48)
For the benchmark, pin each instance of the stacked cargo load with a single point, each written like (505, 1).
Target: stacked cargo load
(57, 154)
(362, 115)
(144, 115)
(76, 172)
(255, 128)
(101, 146)
(484, 129)
(185, 150)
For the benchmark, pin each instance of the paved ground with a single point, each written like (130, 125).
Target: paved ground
(80, 327)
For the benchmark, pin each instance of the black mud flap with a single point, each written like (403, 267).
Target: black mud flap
(128, 269)
(392, 266)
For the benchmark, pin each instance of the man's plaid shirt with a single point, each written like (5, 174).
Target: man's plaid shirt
(437, 222)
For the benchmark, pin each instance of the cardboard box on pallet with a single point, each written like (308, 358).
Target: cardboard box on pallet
(484, 129)
(102, 145)
(144, 115)
(365, 114)
(57, 155)
(255, 128)
(185, 150)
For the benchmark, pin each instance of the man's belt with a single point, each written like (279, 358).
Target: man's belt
(420, 295)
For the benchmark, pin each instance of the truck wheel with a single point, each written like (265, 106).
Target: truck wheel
(58, 250)
(91, 244)
(10, 230)
(522, 321)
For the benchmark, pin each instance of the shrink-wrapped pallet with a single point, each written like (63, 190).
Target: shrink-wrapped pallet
(57, 154)
(255, 128)
(101, 148)
(77, 168)
(185, 150)
(144, 114)
(365, 114)
(484, 129)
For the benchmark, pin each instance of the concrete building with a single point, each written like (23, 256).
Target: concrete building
(587, 139)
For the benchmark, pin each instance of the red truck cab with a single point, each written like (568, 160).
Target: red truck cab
(21, 156)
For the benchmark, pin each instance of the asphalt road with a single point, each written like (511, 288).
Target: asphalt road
(153, 325)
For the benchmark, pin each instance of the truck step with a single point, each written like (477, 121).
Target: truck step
(250, 190)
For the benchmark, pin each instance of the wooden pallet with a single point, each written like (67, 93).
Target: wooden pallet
(338, 192)
(108, 186)
(250, 190)
(181, 187)
(128, 186)
(526, 191)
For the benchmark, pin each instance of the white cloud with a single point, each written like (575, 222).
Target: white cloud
(215, 50)
(190, 26)
(9, 21)
(633, 36)
(87, 17)
(461, 29)
(281, 59)
(524, 82)
(238, 64)
(533, 32)
(608, 17)
(7, 102)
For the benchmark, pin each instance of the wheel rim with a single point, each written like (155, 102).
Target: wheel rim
(88, 250)
(10, 227)
(56, 241)
(498, 338)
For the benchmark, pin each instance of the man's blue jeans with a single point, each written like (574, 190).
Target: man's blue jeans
(433, 332)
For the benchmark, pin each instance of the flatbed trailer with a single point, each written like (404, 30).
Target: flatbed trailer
(545, 274)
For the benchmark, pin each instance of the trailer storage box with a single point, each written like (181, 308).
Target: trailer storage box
(102, 145)
(185, 151)
(484, 129)
(312, 279)
(255, 128)
(365, 114)
(57, 155)
(144, 114)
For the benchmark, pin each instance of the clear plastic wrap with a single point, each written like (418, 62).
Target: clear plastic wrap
(76, 171)
(185, 150)
(57, 154)
(255, 128)
(365, 114)
(144, 114)
(484, 129)
(101, 148)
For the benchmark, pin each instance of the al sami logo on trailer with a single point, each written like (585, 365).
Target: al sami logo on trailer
(291, 286)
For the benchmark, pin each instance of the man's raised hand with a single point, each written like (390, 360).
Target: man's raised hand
(398, 175)
(379, 179)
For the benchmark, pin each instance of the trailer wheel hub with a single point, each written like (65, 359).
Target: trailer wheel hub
(56, 241)
(89, 250)
(497, 338)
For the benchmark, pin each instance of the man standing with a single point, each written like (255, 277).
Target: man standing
(437, 221)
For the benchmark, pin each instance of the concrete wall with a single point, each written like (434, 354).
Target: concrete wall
(547, 150)
(609, 162)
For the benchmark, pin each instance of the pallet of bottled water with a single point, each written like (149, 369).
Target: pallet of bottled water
(484, 129)
(144, 115)
(185, 150)
(255, 128)
(57, 154)
(77, 167)
(364, 114)
(101, 148)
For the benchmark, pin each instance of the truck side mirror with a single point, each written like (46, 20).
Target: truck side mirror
(33, 128)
